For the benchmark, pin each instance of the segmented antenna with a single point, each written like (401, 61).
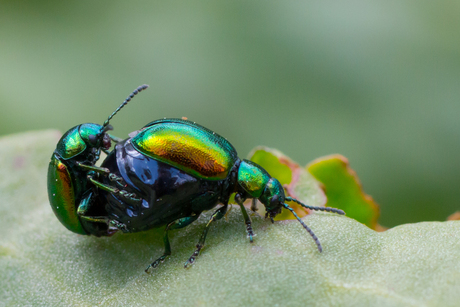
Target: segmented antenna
(327, 209)
(312, 234)
(128, 99)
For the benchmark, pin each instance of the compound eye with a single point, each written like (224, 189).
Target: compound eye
(92, 139)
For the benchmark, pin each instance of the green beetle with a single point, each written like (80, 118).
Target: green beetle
(72, 174)
(165, 174)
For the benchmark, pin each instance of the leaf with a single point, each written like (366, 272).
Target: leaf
(43, 264)
(454, 216)
(343, 189)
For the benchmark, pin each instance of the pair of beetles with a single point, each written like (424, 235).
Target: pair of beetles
(165, 174)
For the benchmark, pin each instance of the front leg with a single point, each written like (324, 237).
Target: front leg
(247, 219)
(123, 193)
(93, 170)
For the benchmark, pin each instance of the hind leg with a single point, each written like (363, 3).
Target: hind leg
(218, 214)
(180, 223)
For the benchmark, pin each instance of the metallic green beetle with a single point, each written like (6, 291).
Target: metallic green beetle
(72, 175)
(165, 174)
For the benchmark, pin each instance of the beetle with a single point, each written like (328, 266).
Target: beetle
(72, 174)
(165, 174)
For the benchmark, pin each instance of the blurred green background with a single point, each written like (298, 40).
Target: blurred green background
(377, 82)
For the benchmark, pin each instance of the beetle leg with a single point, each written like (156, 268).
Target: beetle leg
(166, 253)
(112, 177)
(85, 207)
(110, 189)
(220, 213)
(97, 169)
(103, 171)
(118, 180)
(102, 186)
(247, 219)
(84, 212)
(95, 219)
(180, 223)
(114, 224)
(254, 205)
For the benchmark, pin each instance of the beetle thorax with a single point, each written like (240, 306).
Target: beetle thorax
(256, 182)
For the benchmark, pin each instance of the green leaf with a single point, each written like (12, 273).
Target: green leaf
(343, 189)
(43, 264)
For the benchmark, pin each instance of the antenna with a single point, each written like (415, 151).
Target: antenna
(312, 234)
(327, 209)
(128, 99)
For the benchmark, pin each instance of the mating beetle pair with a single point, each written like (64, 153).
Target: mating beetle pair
(165, 174)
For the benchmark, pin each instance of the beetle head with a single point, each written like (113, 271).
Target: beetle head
(90, 138)
(85, 141)
(273, 198)
(96, 139)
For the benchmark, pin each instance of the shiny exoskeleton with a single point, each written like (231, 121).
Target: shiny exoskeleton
(165, 174)
(166, 193)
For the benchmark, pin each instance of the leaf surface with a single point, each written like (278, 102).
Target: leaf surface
(43, 264)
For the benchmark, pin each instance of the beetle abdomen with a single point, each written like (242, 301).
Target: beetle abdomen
(167, 192)
(188, 147)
